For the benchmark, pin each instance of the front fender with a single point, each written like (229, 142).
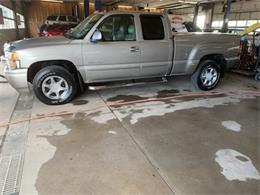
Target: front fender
(68, 52)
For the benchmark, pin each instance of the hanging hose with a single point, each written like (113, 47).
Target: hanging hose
(117, 104)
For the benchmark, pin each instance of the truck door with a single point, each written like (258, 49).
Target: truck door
(117, 55)
(156, 48)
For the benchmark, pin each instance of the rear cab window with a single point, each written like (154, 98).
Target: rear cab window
(152, 27)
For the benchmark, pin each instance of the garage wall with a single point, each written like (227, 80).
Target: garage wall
(37, 12)
(11, 34)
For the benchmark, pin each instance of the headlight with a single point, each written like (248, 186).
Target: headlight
(14, 60)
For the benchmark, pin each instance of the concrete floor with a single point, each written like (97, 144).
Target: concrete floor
(185, 145)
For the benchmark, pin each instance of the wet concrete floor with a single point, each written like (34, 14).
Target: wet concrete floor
(189, 145)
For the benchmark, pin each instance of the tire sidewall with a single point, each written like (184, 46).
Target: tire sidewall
(53, 71)
(257, 77)
(205, 65)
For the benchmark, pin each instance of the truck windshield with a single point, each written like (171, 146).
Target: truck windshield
(84, 27)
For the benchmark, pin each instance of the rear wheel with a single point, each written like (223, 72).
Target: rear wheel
(54, 85)
(207, 76)
(257, 77)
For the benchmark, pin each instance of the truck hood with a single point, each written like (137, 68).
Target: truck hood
(39, 42)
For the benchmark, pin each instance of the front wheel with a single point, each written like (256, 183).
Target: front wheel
(207, 76)
(54, 85)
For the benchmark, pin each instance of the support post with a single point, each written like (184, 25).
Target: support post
(75, 10)
(25, 14)
(15, 19)
(98, 5)
(196, 12)
(86, 8)
(209, 16)
(212, 14)
(227, 9)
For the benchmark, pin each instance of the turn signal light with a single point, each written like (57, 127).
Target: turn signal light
(14, 56)
(13, 60)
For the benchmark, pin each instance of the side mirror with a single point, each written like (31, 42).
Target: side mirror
(97, 36)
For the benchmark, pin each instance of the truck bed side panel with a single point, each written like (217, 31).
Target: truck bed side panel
(190, 48)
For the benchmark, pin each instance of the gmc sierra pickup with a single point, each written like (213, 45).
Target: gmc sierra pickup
(117, 46)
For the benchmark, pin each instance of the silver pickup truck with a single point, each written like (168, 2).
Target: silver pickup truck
(117, 46)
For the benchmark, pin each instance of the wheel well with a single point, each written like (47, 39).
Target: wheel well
(35, 67)
(219, 58)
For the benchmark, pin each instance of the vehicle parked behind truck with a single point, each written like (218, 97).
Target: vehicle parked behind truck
(61, 19)
(117, 46)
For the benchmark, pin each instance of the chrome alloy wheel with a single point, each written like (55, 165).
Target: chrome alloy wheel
(55, 88)
(209, 76)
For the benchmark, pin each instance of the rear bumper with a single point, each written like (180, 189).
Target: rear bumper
(17, 78)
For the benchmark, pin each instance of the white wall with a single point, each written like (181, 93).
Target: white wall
(243, 10)
(240, 10)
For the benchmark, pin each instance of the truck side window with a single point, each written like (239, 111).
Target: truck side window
(118, 28)
(152, 27)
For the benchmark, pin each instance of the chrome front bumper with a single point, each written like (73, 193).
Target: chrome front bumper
(17, 78)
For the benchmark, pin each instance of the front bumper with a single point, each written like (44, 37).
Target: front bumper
(17, 78)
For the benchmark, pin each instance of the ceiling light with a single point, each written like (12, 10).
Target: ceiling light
(125, 6)
(52, 1)
(188, 2)
(150, 8)
(82, 3)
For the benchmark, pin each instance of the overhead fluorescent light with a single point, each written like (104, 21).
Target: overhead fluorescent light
(52, 1)
(188, 2)
(153, 8)
(125, 6)
(82, 3)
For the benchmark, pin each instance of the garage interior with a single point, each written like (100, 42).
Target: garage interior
(146, 138)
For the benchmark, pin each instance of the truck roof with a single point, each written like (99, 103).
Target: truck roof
(131, 12)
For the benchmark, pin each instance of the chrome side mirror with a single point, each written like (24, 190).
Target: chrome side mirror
(97, 36)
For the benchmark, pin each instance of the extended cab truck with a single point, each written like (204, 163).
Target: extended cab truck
(117, 46)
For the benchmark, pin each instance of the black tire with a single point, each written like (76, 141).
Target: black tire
(54, 73)
(257, 77)
(197, 79)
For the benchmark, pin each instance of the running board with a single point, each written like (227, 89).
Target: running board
(244, 72)
(130, 84)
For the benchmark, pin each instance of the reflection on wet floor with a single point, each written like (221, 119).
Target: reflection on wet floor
(160, 94)
(96, 158)
(126, 98)
(79, 102)
(167, 93)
